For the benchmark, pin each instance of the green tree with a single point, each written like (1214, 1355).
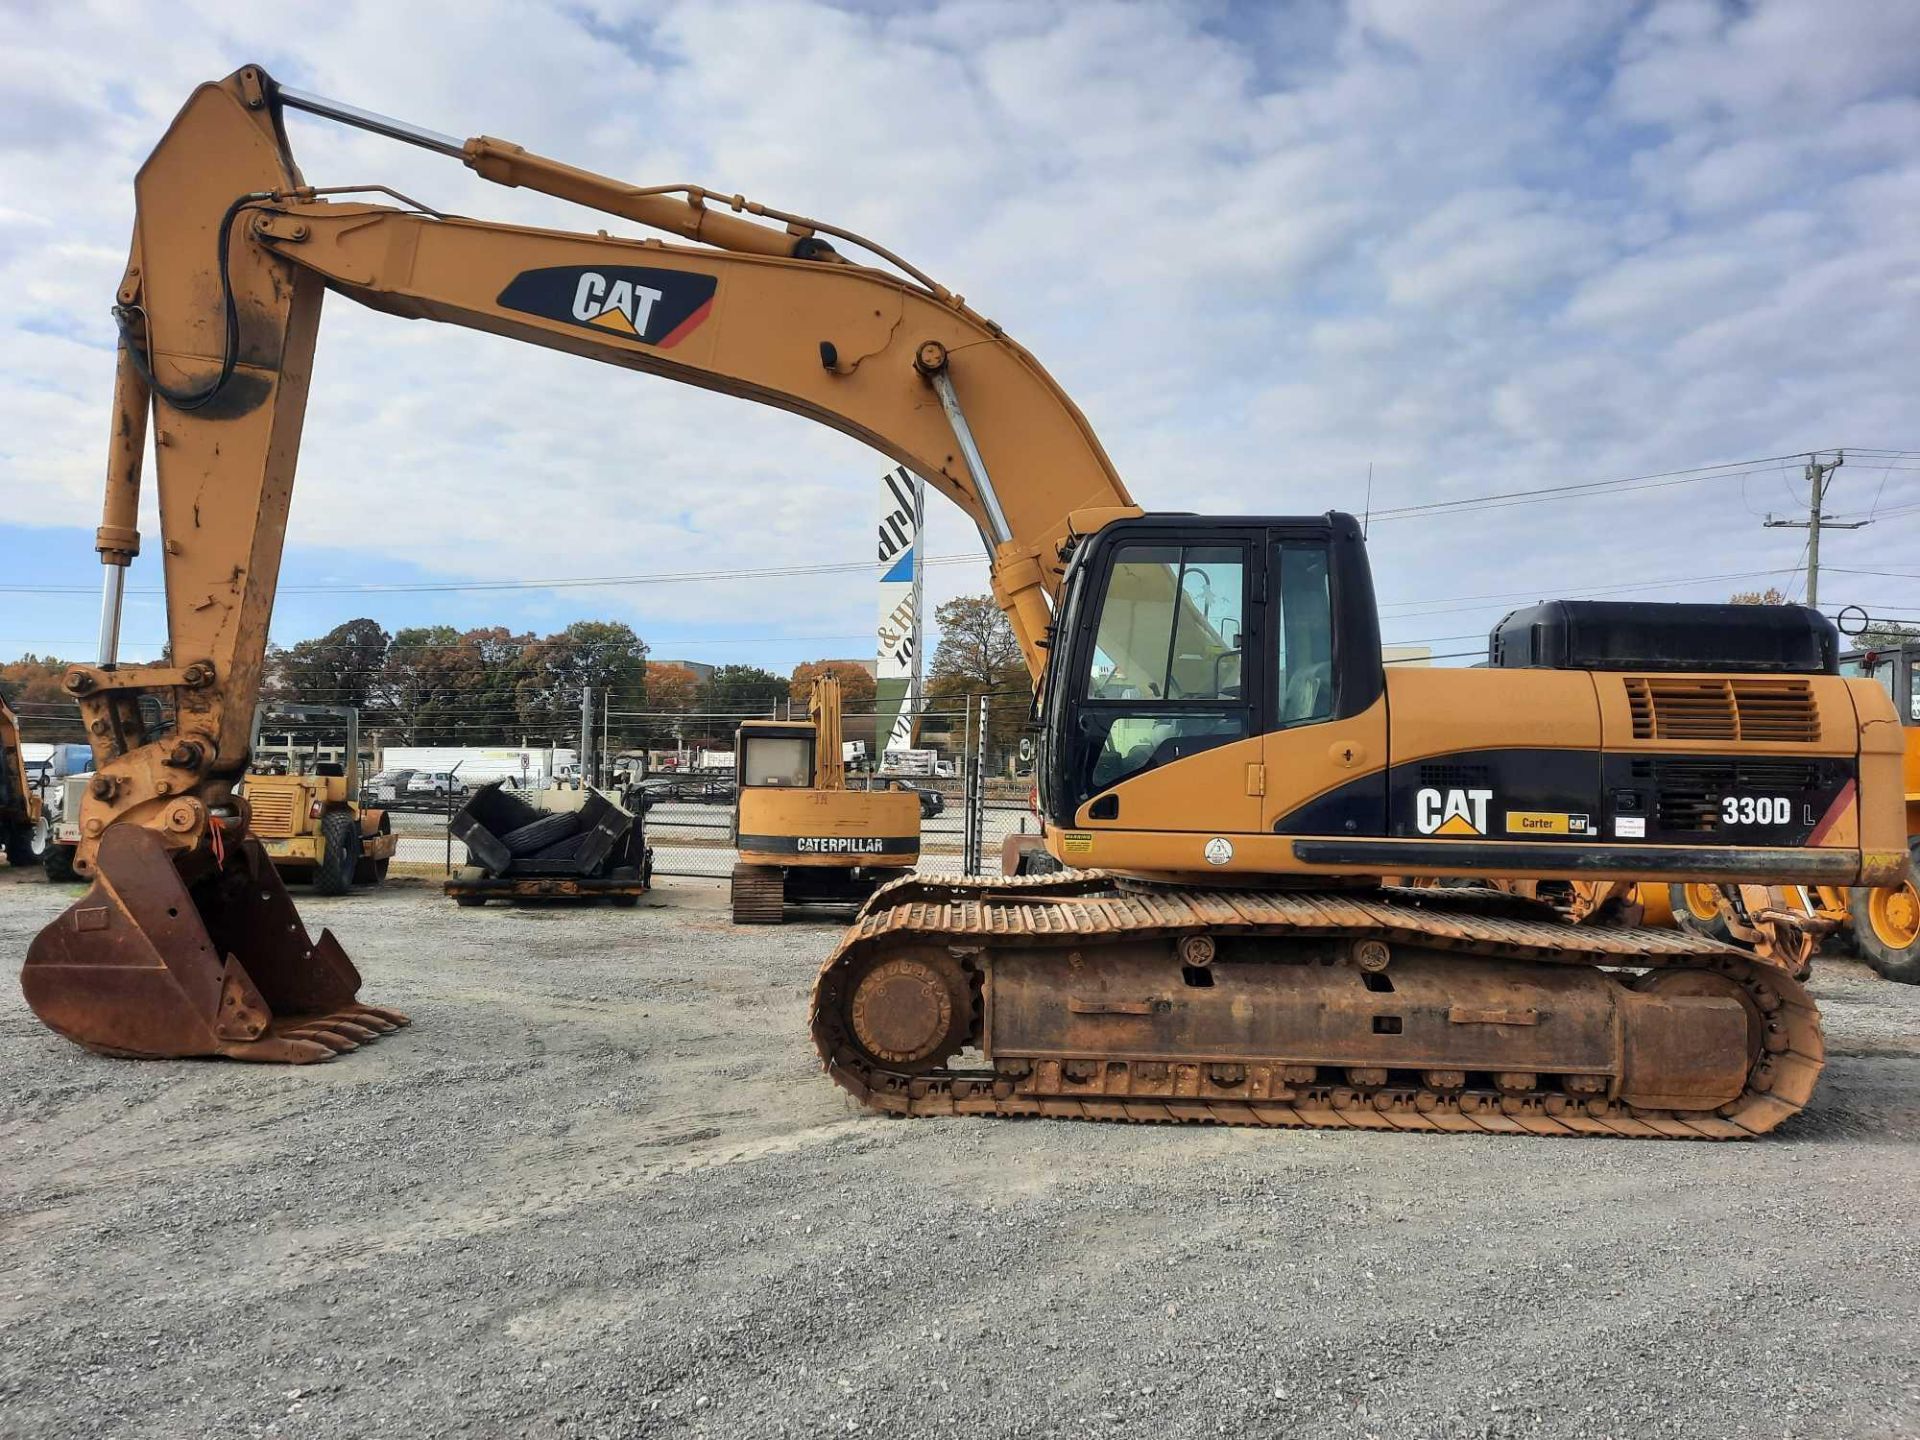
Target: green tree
(342, 667)
(1885, 635)
(742, 687)
(444, 687)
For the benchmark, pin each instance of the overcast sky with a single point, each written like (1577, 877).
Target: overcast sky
(1479, 247)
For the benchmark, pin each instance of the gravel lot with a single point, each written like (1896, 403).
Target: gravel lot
(601, 1189)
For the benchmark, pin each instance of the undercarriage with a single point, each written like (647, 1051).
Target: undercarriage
(1093, 996)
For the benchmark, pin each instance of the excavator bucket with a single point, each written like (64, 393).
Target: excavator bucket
(150, 964)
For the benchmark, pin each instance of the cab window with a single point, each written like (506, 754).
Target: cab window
(1166, 676)
(1171, 625)
(1303, 631)
(781, 760)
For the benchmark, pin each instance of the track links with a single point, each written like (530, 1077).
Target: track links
(978, 916)
(759, 895)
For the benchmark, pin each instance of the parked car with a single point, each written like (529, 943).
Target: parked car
(386, 786)
(932, 802)
(686, 789)
(435, 782)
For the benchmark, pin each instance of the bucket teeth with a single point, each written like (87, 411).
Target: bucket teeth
(378, 1017)
(326, 1035)
(276, 1050)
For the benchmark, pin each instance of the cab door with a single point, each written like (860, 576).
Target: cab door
(1164, 711)
(1325, 747)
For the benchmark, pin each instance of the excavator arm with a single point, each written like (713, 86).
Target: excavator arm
(219, 313)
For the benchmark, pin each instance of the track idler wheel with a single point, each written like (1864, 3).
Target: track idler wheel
(153, 963)
(913, 1012)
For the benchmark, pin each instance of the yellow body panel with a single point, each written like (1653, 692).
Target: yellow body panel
(828, 827)
(1215, 812)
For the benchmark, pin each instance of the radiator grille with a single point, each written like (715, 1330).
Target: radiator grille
(272, 813)
(1715, 708)
(1687, 793)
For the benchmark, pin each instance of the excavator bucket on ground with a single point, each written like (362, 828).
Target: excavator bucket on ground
(155, 964)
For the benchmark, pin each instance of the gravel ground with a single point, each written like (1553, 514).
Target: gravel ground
(601, 1189)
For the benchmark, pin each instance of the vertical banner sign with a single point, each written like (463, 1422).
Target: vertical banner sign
(897, 674)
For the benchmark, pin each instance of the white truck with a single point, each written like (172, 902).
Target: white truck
(59, 773)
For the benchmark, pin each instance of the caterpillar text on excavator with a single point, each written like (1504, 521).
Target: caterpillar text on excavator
(1225, 767)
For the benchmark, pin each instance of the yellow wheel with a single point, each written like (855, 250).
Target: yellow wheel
(1886, 926)
(1696, 909)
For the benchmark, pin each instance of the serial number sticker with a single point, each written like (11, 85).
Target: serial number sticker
(1630, 827)
(1076, 844)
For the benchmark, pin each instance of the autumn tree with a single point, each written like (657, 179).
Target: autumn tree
(32, 685)
(441, 686)
(978, 654)
(856, 683)
(672, 687)
(1772, 595)
(342, 667)
(34, 680)
(604, 655)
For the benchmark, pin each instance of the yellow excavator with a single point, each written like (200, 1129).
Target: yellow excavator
(803, 836)
(1225, 768)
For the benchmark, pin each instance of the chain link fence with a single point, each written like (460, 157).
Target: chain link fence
(972, 815)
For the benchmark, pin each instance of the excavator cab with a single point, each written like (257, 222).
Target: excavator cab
(1180, 635)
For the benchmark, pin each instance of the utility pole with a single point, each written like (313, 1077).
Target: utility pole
(585, 760)
(1818, 478)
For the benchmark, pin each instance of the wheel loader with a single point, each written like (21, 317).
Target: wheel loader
(309, 820)
(1226, 769)
(23, 819)
(804, 836)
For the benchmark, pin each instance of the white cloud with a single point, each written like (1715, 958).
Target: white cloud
(1477, 246)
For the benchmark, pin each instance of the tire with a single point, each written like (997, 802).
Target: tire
(1039, 862)
(539, 834)
(624, 902)
(27, 844)
(370, 871)
(1695, 912)
(1886, 924)
(339, 853)
(471, 902)
(59, 864)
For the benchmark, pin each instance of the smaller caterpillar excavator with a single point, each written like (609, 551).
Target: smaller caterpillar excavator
(804, 837)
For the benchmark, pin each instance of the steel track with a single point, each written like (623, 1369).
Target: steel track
(977, 917)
